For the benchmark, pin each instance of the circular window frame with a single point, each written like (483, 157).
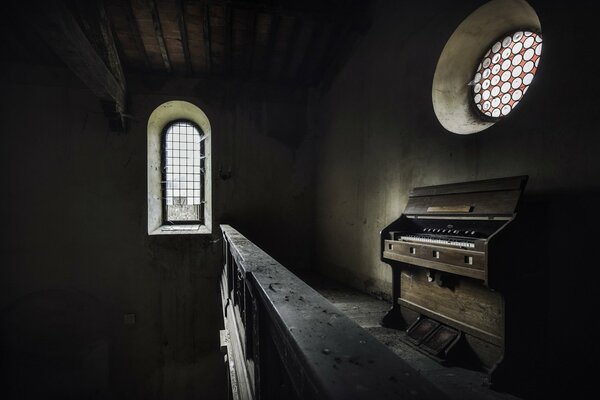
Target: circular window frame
(451, 94)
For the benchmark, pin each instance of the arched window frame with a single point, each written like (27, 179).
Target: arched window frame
(160, 119)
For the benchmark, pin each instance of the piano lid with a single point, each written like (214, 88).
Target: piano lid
(477, 199)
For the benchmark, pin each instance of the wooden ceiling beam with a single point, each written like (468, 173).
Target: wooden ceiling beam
(59, 28)
(159, 34)
(135, 29)
(184, 37)
(112, 53)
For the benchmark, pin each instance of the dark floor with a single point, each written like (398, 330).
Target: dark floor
(367, 311)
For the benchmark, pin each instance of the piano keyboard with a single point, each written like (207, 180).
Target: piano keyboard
(445, 242)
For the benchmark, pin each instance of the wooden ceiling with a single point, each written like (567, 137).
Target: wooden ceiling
(272, 40)
(281, 42)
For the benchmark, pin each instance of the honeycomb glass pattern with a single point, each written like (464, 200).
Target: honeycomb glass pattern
(505, 73)
(183, 169)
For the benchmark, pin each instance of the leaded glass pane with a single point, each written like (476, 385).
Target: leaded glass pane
(505, 72)
(182, 181)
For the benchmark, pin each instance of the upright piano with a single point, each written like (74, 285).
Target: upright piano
(461, 274)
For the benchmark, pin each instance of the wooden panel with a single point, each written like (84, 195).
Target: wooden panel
(486, 203)
(453, 269)
(466, 301)
(195, 24)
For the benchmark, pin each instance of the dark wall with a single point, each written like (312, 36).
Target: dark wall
(76, 257)
(377, 137)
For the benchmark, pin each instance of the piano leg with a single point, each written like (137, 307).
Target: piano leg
(393, 318)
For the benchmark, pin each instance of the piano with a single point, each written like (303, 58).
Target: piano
(457, 256)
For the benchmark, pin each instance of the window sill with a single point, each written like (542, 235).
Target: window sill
(181, 230)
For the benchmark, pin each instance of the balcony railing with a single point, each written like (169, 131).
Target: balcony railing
(285, 340)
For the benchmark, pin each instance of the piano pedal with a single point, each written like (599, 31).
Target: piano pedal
(433, 338)
(421, 329)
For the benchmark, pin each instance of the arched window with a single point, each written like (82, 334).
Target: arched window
(182, 169)
(179, 170)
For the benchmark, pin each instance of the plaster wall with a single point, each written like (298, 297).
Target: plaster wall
(76, 256)
(377, 137)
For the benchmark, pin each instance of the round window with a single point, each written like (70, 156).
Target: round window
(487, 66)
(505, 73)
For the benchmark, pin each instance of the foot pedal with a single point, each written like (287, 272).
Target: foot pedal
(441, 341)
(434, 338)
(421, 330)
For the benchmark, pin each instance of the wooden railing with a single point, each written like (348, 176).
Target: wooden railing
(284, 340)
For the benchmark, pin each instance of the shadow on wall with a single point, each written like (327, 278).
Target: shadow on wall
(55, 344)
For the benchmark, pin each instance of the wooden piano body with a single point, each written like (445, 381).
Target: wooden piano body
(462, 271)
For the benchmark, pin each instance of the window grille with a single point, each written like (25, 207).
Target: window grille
(505, 73)
(183, 173)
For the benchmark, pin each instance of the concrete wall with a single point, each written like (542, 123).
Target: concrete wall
(377, 137)
(75, 253)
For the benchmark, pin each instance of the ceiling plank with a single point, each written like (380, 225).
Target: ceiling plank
(185, 43)
(158, 32)
(145, 24)
(194, 18)
(218, 39)
(207, 44)
(128, 35)
(170, 27)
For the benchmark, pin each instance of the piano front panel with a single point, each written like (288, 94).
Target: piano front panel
(453, 260)
(464, 304)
